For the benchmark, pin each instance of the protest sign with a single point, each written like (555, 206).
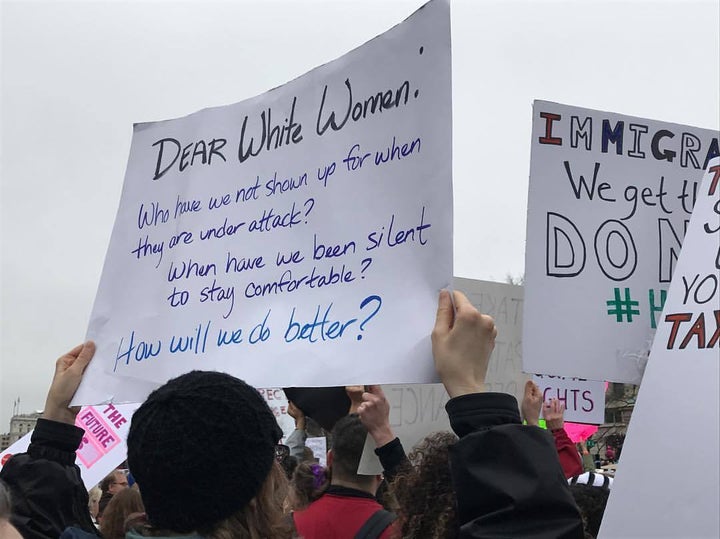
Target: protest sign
(298, 238)
(677, 416)
(278, 403)
(609, 200)
(102, 447)
(584, 400)
(504, 302)
(419, 409)
(318, 445)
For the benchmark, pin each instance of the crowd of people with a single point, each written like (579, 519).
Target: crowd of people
(496, 475)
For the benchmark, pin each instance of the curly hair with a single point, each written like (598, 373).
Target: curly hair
(424, 494)
(310, 481)
(591, 501)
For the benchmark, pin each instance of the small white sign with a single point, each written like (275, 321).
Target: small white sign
(318, 445)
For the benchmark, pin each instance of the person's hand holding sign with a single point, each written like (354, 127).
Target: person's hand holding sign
(69, 371)
(462, 342)
(553, 412)
(374, 413)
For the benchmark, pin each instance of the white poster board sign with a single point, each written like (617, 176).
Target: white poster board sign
(278, 404)
(504, 302)
(318, 446)
(609, 199)
(584, 400)
(103, 446)
(313, 221)
(417, 410)
(671, 427)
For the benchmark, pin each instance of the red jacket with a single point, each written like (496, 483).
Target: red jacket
(337, 514)
(567, 453)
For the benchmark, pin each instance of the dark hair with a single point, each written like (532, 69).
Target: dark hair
(309, 482)
(591, 501)
(122, 504)
(423, 492)
(348, 442)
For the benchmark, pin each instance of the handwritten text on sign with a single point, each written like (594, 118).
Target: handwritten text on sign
(313, 221)
(584, 400)
(686, 354)
(610, 199)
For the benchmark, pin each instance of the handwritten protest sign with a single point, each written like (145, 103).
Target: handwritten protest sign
(677, 416)
(318, 446)
(298, 238)
(278, 403)
(609, 200)
(417, 410)
(102, 447)
(584, 400)
(504, 302)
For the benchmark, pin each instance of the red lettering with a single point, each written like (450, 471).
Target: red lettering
(716, 336)
(548, 138)
(716, 178)
(697, 330)
(676, 320)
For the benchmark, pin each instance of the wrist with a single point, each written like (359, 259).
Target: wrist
(61, 415)
(382, 436)
(458, 389)
(532, 422)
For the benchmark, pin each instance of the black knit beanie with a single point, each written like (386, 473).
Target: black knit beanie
(200, 448)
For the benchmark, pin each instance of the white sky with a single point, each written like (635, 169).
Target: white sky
(77, 75)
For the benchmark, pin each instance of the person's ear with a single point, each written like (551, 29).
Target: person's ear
(329, 459)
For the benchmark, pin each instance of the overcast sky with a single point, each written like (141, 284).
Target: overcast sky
(77, 75)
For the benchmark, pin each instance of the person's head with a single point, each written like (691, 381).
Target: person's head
(123, 504)
(309, 482)
(7, 530)
(348, 437)
(423, 492)
(94, 501)
(202, 450)
(114, 482)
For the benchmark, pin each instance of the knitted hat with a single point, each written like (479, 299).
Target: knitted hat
(200, 448)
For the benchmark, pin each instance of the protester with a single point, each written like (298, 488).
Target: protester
(94, 495)
(553, 412)
(122, 505)
(113, 483)
(47, 491)
(424, 494)
(570, 460)
(296, 440)
(348, 507)
(309, 481)
(506, 476)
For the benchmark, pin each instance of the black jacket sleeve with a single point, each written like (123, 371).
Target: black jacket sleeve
(392, 458)
(47, 491)
(507, 476)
